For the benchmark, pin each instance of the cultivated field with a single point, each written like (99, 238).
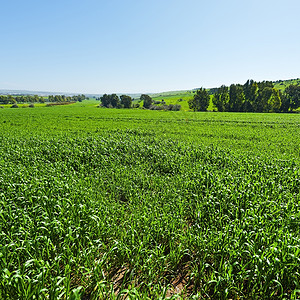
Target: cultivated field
(107, 204)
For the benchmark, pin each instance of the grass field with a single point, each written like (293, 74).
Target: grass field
(107, 204)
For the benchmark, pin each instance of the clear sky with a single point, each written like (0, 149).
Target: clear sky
(129, 46)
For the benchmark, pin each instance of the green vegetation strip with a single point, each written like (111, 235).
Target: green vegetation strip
(108, 204)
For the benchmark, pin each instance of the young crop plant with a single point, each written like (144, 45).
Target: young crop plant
(140, 204)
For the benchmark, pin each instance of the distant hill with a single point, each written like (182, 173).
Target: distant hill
(282, 84)
(39, 93)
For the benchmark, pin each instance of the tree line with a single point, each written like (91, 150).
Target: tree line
(11, 99)
(63, 98)
(251, 97)
(125, 101)
(114, 101)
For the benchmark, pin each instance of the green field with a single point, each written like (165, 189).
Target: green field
(102, 203)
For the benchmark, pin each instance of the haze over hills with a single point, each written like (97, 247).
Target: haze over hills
(27, 92)
(279, 84)
(44, 93)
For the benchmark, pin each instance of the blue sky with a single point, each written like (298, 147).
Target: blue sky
(144, 46)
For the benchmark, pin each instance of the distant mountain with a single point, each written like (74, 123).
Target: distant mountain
(39, 93)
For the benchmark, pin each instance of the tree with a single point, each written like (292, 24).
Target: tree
(3, 99)
(81, 97)
(250, 92)
(262, 99)
(285, 103)
(221, 98)
(236, 97)
(35, 98)
(274, 102)
(11, 99)
(105, 100)
(57, 98)
(200, 101)
(264, 84)
(126, 101)
(292, 93)
(147, 100)
(112, 100)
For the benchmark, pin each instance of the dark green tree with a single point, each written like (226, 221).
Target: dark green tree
(111, 101)
(250, 92)
(105, 100)
(147, 100)
(221, 98)
(11, 99)
(114, 100)
(285, 103)
(81, 97)
(236, 97)
(292, 92)
(21, 99)
(57, 98)
(200, 101)
(41, 100)
(126, 101)
(36, 98)
(261, 102)
(3, 99)
(264, 84)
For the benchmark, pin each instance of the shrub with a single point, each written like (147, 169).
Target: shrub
(173, 107)
(156, 107)
(14, 106)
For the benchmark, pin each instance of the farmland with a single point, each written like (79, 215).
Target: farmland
(106, 204)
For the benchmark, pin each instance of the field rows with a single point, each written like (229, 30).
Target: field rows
(109, 204)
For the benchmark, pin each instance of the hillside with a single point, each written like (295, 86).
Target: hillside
(282, 84)
(175, 97)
